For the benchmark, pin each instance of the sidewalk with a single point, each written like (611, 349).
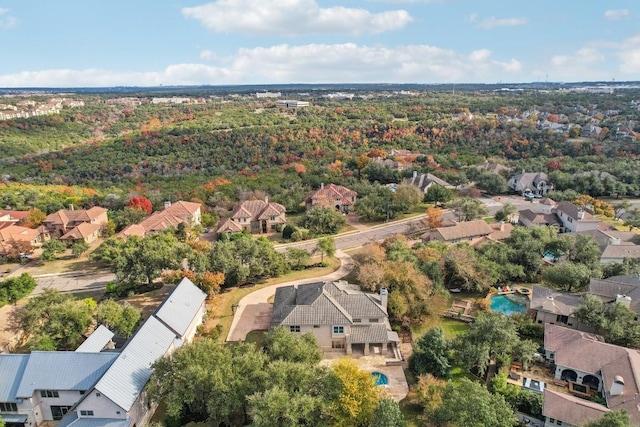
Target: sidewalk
(254, 310)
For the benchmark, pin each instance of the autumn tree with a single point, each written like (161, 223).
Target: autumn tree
(358, 394)
(142, 203)
(434, 217)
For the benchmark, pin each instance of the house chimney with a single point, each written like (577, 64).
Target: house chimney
(617, 386)
(614, 241)
(321, 185)
(415, 174)
(71, 207)
(501, 225)
(580, 214)
(167, 204)
(624, 300)
(384, 298)
(266, 199)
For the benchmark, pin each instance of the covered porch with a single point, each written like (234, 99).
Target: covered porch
(376, 340)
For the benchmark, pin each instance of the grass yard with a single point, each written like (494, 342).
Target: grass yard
(219, 307)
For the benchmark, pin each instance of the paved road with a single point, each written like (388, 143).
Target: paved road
(75, 282)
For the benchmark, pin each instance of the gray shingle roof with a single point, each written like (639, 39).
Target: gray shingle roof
(96, 341)
(323, 304)
(372, 333)
(180, 308)
(11, 371)
(552, 301)
(63, 370)
(607, 289)
(128, 375)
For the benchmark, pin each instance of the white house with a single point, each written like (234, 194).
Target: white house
(575, 219)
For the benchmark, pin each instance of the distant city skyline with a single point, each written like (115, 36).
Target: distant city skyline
(233, 42)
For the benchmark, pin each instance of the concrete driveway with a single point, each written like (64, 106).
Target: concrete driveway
(254, 310)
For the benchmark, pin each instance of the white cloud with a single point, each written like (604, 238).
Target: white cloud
(7, 21)
(312, 63)
(492, 22)
(629, 54)
(293, 17)
(615, 14)
(208, 55)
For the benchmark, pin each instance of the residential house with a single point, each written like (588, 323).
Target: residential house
(553, 307)
(501, 231)
(172, 215)
(339, 315)
(590, 131)
(588, 366)
(16, 233)
(469, 231)
(13, 216)
(574, 218)
(615, 245)
(332, 195)
(87, 232)
(289, 103)
(254, 216)
(530, 218)
(93, 388)
(61, 222)
(424, 181)
(494, 167)
(530, 182)
(622, 289)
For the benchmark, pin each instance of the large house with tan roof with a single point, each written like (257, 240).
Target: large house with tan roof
(332, 195)
(588, 365)
(86, 232)
(255, 217)
(12, 234)
(468, 231)
(61, 222)
(172, 215)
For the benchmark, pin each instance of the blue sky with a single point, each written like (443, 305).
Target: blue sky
(174, 42)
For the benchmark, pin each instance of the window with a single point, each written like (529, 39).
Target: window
(337, 344)
(8, 407)
(272, 218)
(87, 413)
(294, 328)
(117, 412)
(316, 326)
(559, 422)
(49, 393)
(357, 320)
(338, 329)
(552, 420)
(98, 395)
(373, 320)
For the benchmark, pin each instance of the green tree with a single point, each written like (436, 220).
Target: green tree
(128, 216)
(51, 248)
(492, 183)
(388, 414)
(277, 407)
(467, 403)
(591, 312)
(491, 336)
(298, 258)
(506, 212)
(280, 344)
(121, 319)
(15, 288)
(468, 208)
(438, 195)
(407, 196)
(431, 354)
(79, 247)
(321, 220)
(326, 246)
(568, 276)
(612, 419)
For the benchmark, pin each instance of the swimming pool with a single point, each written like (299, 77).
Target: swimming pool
(509, 304)
(380, 378)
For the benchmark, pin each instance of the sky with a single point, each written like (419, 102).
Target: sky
(91, 43)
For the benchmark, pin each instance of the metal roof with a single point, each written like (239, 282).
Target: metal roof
(63, 370)
(124, 380)
(180, 308)
(99, 422)
(96, 341)
(14, 418)
(11, 370)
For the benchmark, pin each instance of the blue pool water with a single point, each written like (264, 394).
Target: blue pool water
(508, 304)
(381, 379)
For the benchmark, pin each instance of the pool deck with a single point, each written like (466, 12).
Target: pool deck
(397, 387)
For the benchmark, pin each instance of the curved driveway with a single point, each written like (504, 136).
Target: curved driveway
(254, 310)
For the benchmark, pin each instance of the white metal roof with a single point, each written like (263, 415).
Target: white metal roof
(124, 380)
(96, 341)
(181, 306)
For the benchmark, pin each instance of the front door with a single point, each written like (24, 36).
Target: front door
(57, 412)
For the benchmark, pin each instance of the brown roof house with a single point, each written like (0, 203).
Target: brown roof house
(254, 216)
(332, 195)
(340, 316)
(468, 231)
(172, 215)
(61, 222)
(589, 366)
(84, 231)
(15, 233)
(554, 307)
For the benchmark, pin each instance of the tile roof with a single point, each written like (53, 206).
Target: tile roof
(124, 380)
(160, 221)
(257, 209)
(182, 209)
(620, 251)
(333, 192)
(11, 370)
(553, 301)
(228, 225)
(571, 409)
(63, 370)
(18, 233)
(63, 217)
(132, 230)
(371, 333)
(82, 231)
(96, 341)
(323, 303)
(180, 308)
